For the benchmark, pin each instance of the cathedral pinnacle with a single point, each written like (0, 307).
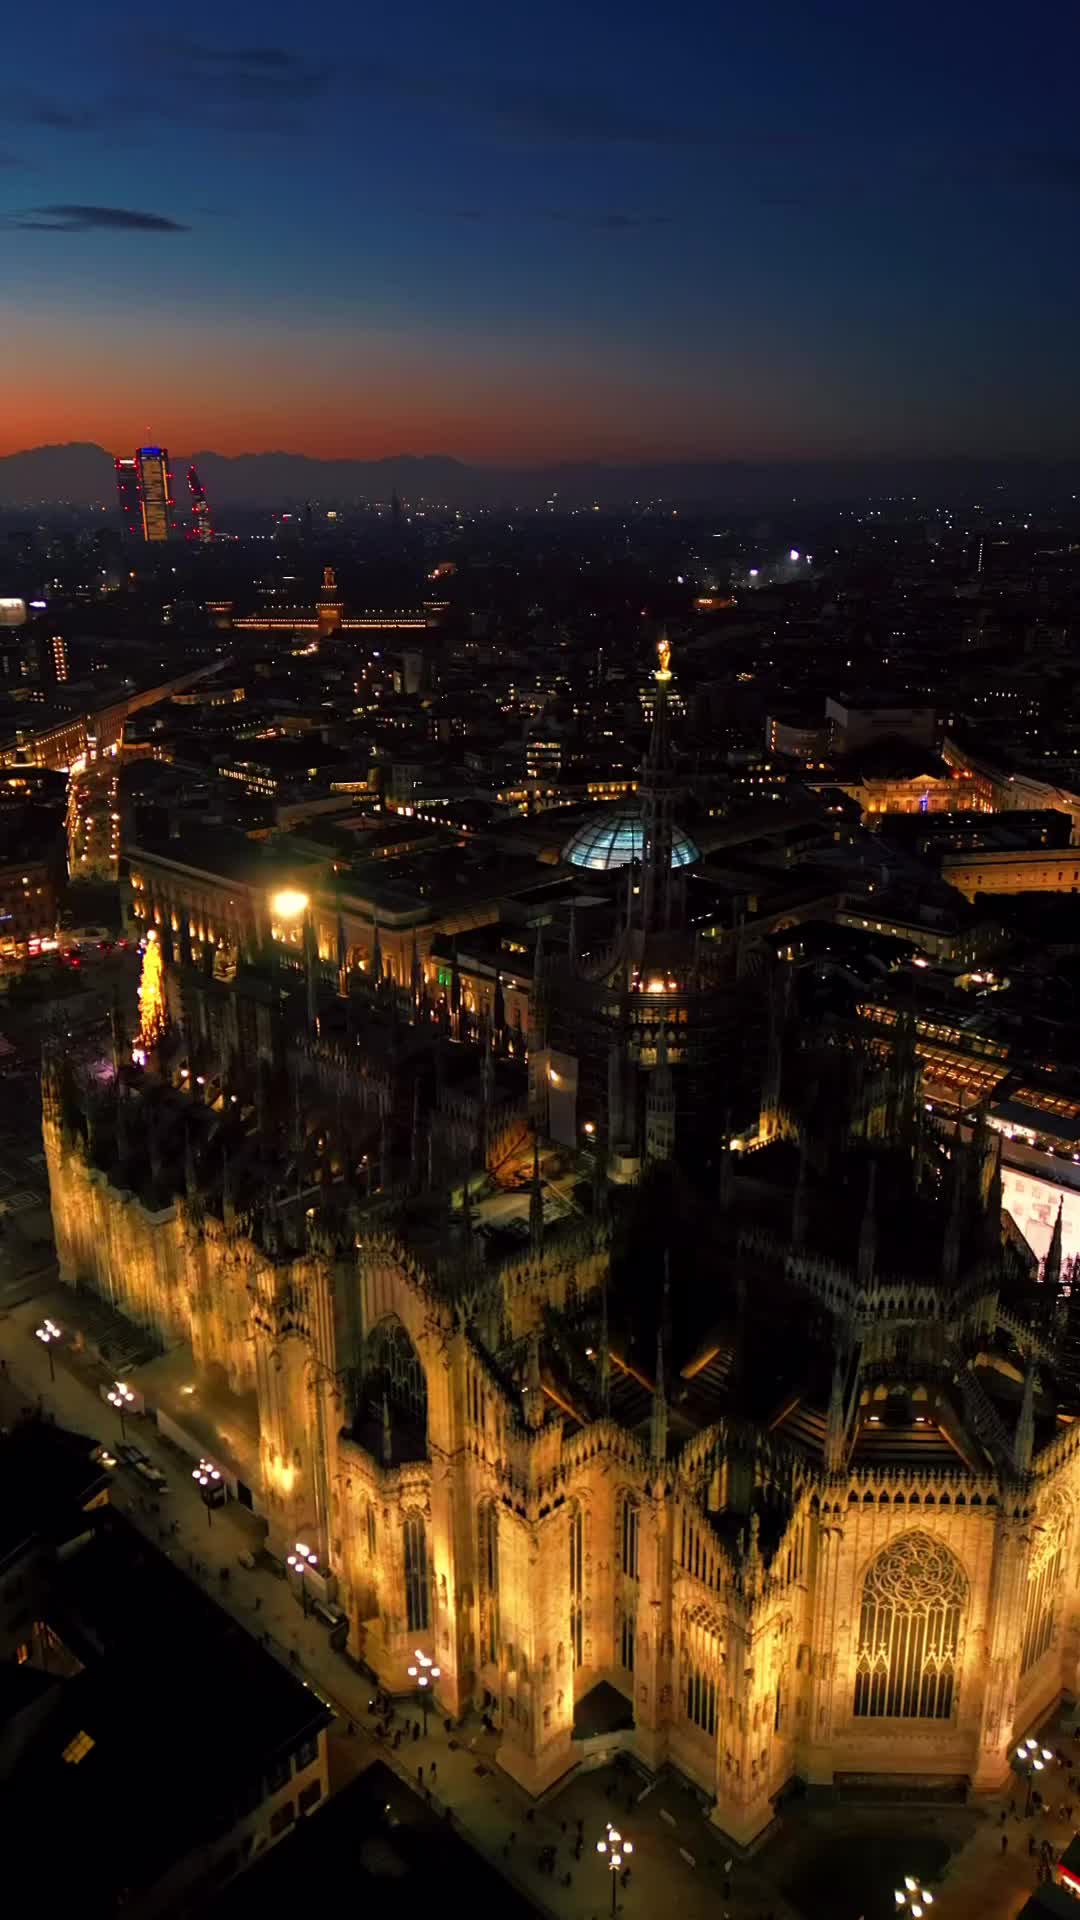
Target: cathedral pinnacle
(534, 1390)
(1024, 1441)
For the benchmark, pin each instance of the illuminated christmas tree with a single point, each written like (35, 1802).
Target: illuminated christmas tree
(153, 1012)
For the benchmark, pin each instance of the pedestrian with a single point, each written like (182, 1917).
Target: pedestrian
(419, 1776)
(1012, 1806)
(512, 1839)
(416, 1730)
(1031, 1844)
(433, 1771)
(1004, 1843)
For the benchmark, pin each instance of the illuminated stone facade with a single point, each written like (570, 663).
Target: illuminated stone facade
(771, 1598)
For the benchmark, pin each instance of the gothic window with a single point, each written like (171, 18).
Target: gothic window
(628, 1638)
(913, 1602)
(1044, 1575)
(630, 1524)
(416, 1574)
(394, 1377)
(489, 1579)
(701, 1700)
(371, 1529)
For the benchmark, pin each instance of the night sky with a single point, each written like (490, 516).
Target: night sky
(521, 233)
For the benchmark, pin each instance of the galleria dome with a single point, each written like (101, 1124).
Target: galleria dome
(617, 838)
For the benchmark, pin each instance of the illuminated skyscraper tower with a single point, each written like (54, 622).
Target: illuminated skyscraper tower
(155, 492)
(202, 527)
(127, 495)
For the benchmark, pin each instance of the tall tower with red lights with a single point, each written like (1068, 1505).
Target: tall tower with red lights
(127, 496)
(202, 526)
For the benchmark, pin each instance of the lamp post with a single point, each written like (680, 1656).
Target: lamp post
(425, 1673)
(121, 1398)
(913, 1897)
(1030, 1758)
(300, 1560)
(616, 1848)
(47, 1333)
(211, 1487)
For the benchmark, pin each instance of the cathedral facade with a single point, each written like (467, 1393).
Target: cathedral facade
(878, 1575)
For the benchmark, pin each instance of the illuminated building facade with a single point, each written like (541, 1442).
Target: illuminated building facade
(837, 1537)
(155, 493)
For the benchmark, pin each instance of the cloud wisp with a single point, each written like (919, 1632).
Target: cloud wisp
(72, 217)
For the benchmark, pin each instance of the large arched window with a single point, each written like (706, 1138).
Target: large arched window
(394, 1394)
(416, 1574)
(1043, 1580)
(488, 1543)
(629, 1529)
(701, 1657)
(913, 1603)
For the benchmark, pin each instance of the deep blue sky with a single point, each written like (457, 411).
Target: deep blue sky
(523, 233)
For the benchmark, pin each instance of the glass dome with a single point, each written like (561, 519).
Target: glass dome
(617, 838)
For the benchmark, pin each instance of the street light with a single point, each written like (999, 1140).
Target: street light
(121, 1398)
(617, 1848)
(425, 1673)
(300, 1561)
(1031, 1759)
(211, 1487)
(47, 1333)
(913, 1897)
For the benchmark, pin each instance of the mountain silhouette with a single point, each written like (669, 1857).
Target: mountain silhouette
(82, 474)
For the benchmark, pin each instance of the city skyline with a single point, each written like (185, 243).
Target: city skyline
(733, 239)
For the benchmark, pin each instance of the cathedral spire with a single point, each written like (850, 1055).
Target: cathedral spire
(834, 1426)
(656, 790)
(725, 1180)
(536, 1205)
(950, 1257)
(228, 1209)
(1051, 1273)
(342, 958)
(605, 1352)
(1024, 1440)
(311, 973)
(534, 1387)
(800, 1204)
(659, 1423)
(867, 1259)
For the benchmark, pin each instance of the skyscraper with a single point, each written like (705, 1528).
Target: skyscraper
(202, 526)
(127, 494)
(155, 492)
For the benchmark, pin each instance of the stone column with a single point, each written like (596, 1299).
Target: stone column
(994, 1664)
(536, 1669)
